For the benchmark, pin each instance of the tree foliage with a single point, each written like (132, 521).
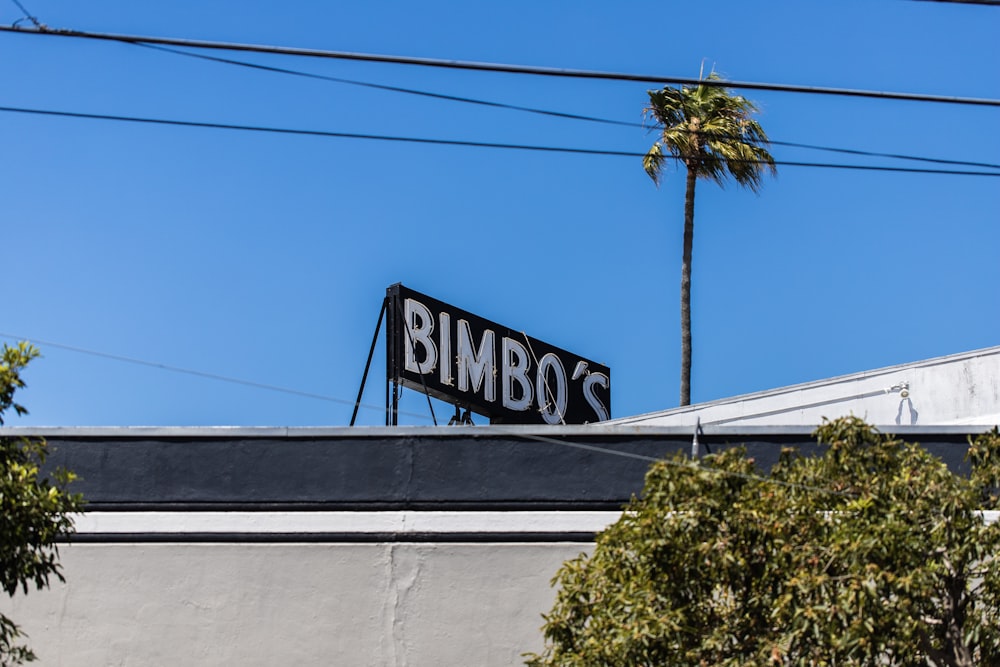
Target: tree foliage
(35, 510)
(873, 553)
(713, 133)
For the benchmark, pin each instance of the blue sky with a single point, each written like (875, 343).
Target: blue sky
(264, 257)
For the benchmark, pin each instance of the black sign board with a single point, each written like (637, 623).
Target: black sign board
(487, 368)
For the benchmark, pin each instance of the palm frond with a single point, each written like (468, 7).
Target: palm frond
(712, 131)
(652, 162)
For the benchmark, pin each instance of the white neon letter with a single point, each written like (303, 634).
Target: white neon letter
(552, 404)
(514, 369)
(444, 319)
(601, 380)
(477, 365)
(418, 334)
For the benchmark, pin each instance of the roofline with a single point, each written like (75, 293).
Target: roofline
(493, 431)
(826, 382)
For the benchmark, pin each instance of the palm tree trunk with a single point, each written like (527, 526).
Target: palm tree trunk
(692, 176)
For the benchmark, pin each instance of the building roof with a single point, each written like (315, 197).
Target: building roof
(958, 389)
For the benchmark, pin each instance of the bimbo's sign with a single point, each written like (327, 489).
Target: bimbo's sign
(487, 368)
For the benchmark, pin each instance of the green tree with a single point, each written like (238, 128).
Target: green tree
(872, 553)
(35, 511)
(711, 131)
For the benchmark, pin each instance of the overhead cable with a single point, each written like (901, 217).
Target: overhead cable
(994, 3)
(534, 110)
(28, 16)
(456, 142)
(201, 374)
(393, 89)
(503, 68)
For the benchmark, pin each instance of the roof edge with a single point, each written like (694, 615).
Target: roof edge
(839, 379)
(383, 432)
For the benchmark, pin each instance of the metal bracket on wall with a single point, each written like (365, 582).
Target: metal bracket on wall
(695, 445)
(461, 419)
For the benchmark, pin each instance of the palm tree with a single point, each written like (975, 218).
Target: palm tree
(711, 132)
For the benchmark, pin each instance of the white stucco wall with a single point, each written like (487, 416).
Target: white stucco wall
(402, 604)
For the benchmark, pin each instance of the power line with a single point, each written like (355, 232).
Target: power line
(201, 374)
(995, 3)
(546, 112)
(504, 68)
(454, 142)
(394, 89)
(317, 133)
(27, 15)
(534, 110)
(896, 156)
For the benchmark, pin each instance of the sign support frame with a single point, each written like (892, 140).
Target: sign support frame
(371, 354)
